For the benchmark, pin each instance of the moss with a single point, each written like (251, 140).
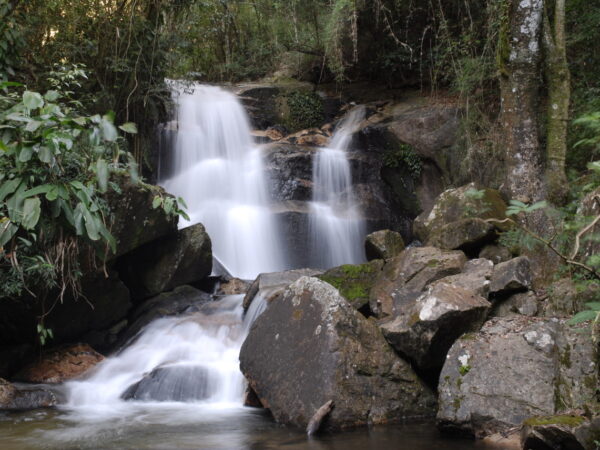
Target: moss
(571, 421)
(433, 263)
(565, 357)
(413, 319)
(459, 382)
(463, 370)
(468, 337)
(301, 109)
(353, 281)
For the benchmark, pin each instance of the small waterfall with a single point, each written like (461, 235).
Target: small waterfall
(336, 227)
(215, 167)
(192, 358)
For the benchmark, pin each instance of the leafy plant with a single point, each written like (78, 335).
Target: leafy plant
(170, 205)
(305, 110)
(404, 156)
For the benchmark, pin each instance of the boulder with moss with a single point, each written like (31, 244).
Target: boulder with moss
(383, 244)
(310, 346)
(514, 368)
(511, 276)
(457, 204)
(564, 431)
(405, 277)
(354, 282)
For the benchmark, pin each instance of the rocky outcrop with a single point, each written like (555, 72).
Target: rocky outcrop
(181, 258)
(354, 282)
(405, 277)
(457, 204)
(510, 276)
(233, 286)
(134, 221)
(183, 299)
(172, 383)
(22, 399)
(560, 432)
(383, 244)
(426, 331)
(512, 369)
(311, 346)
(60, 365)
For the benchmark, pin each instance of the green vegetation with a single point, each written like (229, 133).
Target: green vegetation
(404, 156)
(571, 421)
(305, 110)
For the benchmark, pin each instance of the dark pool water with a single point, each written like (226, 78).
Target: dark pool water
(180, 426)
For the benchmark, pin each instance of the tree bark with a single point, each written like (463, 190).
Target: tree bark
(559, 95)
(519, 64)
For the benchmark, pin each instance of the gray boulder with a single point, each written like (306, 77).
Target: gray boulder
(180, 258)
(570, 432)
(311, 346)
(405, 277)
(13, 398)
(383, 244)
(524, 303)
(511, 276)
(425, 332)
(495, 253)
(469, 235)
(512, 369)
(475, 277)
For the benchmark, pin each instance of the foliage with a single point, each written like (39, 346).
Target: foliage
(55, 164)
(11, 40)
(170, 205)
(404, 156)
(305, 110)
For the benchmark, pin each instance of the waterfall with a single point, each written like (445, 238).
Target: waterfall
(218, 171)
(336, 227)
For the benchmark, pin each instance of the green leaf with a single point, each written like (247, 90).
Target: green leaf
(51, 96)
(102, 174)
(91, 225)
(9, 187)
(45, 155)
(33, 125)
(594, 306)
(78, 219)
(52, 194)
(182, 202)
(44, 188)
(109, 132)
(156, 202)
(109, 238)
(32, 100)
(7, 231)
(583, 316)
(25, 154)
(15, 204)
(129, 127)
(31, 213)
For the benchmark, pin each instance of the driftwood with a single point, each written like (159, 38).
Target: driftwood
(315, 422)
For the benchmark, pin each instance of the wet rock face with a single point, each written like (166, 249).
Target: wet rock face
(512, 369)
(510, 276)
(426, 331)
(181, 258)
(60, 365)
(172, 383)
(22, 399)
(405, 277)
(457, 204)
(311, 346)
(383, 244)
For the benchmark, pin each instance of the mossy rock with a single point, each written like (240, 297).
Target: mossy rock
(354, 282)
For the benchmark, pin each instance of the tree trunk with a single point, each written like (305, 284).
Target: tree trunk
(559, 95)
(519, 64)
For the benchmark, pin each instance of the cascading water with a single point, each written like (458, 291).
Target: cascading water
(336, 227)
(218, 171)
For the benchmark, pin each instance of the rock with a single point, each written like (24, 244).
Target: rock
(383, 244)
(404, 277)
(314, 424)
(311, 346)
(456, 204)
(181, 258)
(566, 298)
(251, 399)
(590, 208)
(183, 299)
(495, 253)
(60, 365)
(235, 286)
(503, 441)
(271, 285)
(172, 384)
(134, 221)
(560, 432)
(425, 332)
(524, 303)
(475, 277)
(514, 368)
(354, 282)
(469, 235)
(21, 399)
(510, 276)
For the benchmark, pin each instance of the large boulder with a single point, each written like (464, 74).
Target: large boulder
(354, 282)
(22, 399)
(60, 365)
(181, 300)
(475, 277)
(524, 303)
(426, 331)
(133, 220)
(405, 277)
(514, 368)
(495, 253)
(457, 204)
(510, 276)
(564, 431)
(181, 258)
(310, 346)
(383, 244)
(469, 235)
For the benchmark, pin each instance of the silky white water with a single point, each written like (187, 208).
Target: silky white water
(336, 227)
(219, 173)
